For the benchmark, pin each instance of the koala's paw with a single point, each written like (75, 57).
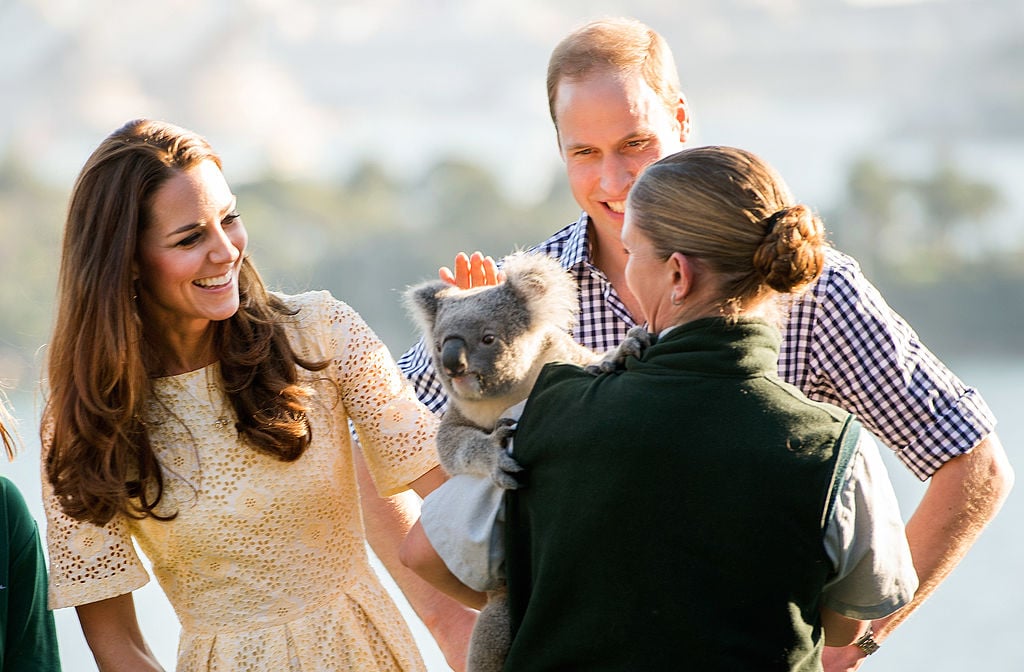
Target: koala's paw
(637, 340)
(503, 474)
(504, 429)
(505, 467)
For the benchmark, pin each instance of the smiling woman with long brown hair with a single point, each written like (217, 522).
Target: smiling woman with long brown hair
(207, 419)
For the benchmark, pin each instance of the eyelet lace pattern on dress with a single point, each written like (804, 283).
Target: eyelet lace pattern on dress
(265, 564)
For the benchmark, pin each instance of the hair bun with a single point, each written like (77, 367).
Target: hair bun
(793, 251)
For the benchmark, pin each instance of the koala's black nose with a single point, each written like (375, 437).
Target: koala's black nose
(453, 356)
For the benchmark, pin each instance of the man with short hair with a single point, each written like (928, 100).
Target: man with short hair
(617, 107)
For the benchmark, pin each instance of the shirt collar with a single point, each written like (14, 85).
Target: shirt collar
(577, 245)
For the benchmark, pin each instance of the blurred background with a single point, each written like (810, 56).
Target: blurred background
(368, 142)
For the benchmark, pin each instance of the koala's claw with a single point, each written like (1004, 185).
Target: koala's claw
(637, 340)
(504, 470)
(503, 430)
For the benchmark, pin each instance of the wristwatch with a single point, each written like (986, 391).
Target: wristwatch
(867, 643)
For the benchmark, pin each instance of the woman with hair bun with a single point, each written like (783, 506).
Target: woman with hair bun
(693, 510)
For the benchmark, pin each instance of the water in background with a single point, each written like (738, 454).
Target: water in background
(972, 622)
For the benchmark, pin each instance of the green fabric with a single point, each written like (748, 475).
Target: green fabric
(670, 515)
(30, 638)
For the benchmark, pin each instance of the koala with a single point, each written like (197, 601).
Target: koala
(488, 346)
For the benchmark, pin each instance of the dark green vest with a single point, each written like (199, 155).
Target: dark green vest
(671, 516)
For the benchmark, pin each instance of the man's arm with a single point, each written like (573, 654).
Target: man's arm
(387, 521)
(962, 497)
(846, 346)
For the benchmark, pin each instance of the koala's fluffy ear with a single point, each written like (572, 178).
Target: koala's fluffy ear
(540, 281)
(422, 302)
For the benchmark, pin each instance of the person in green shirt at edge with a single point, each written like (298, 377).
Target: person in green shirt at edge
(29, 635)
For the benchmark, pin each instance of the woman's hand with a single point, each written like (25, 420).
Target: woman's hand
(841, 658)
(472, 271)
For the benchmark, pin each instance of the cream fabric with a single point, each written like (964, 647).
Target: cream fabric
(265, 564)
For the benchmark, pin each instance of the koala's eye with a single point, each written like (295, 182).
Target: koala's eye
(487, 339)
(437, 346)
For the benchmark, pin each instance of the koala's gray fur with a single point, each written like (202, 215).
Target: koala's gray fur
(488, 346)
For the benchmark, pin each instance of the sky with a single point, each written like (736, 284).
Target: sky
(304, 89)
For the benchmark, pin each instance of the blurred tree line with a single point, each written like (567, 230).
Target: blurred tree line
(371, 235)
(930, 244)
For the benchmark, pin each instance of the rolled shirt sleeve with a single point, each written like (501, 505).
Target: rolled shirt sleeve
(844, 345)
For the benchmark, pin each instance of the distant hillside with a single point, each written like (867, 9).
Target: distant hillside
(367, 238)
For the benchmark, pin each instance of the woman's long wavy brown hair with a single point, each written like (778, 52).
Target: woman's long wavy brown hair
(101, 357)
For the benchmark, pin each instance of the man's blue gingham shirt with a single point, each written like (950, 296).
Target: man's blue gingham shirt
(843, 345)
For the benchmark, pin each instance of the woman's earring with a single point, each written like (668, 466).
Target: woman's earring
(676, 301)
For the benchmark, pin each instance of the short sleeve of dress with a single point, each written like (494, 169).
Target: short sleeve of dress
(396, 431)
(88, 563)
